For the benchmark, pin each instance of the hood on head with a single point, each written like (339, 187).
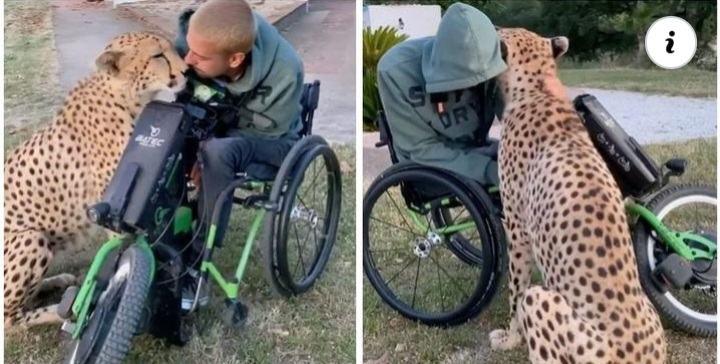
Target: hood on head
(465, 52)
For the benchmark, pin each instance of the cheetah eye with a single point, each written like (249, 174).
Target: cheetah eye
(159, 55)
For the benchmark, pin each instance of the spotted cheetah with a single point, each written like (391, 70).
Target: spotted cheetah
(564, 212)
(52, 177)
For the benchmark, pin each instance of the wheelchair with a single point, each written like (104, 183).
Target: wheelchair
(433, 242)
(434, 245)
(134, 282)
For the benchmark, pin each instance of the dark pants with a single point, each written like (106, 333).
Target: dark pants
(221, 160)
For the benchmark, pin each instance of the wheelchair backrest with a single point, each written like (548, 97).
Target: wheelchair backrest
(309, 102)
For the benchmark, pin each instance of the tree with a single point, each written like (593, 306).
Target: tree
(637, 20)
(375, 44)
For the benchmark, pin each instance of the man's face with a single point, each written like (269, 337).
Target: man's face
(205, 58)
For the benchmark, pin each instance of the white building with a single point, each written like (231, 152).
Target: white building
(414, 20)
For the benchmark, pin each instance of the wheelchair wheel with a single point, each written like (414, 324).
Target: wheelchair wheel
(117, 314)
(304, 229)
(685, 208)
(438, 265)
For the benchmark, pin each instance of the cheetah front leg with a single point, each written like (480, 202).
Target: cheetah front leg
(557, 335)
(520, 264)
(27, 256)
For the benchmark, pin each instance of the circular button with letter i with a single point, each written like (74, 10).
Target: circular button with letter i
(670, 42)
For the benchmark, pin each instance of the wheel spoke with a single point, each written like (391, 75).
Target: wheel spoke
(454, 282)
(395, 226)
(315, 240)
(400, 212)
(297, 236)
(387, 283)
(417, 274)
(442, 291)
(454, 218)
(428, 224)
(387, 250)
(313, 184)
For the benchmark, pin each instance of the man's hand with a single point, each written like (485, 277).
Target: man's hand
(195, 174)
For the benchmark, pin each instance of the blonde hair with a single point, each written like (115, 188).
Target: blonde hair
(228, 23)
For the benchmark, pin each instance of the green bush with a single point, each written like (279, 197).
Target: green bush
(375, 44)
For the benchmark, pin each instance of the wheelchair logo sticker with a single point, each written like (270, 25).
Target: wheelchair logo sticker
(150, 141)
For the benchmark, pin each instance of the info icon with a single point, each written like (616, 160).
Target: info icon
(670, 42)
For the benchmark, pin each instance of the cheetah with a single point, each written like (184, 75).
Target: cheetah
(60, 170)
(564, 212)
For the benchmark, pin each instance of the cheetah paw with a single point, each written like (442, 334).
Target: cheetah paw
(504, 340)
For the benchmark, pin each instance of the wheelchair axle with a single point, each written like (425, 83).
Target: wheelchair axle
(306, 214)
(423, 246)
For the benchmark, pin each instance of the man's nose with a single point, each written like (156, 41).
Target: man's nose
(189, 59)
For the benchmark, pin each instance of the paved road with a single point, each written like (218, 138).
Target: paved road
(324, 35)
(81, 32)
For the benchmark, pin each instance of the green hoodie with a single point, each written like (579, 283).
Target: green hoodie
(268, 94)
(456, 67)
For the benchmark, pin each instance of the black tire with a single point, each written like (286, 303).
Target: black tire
(280, 269)
(308, 175)
(672, 309)
(481, 268)
(116, 316)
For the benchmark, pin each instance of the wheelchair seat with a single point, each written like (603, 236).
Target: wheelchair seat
(309, 102)
(262, 172)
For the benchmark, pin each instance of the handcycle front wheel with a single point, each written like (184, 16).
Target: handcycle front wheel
(439, 268)
(300, 236)
(682, 208)
(116, 316)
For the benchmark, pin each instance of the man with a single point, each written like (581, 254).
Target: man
(440, 98)
(250, 65)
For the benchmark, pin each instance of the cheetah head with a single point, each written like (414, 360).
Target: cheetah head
(147, 64)
(530, 58)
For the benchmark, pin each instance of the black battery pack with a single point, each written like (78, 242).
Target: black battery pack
(149, 172)
(634, 171)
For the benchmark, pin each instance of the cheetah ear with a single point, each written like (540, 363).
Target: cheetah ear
(560, 45)
(109, 61)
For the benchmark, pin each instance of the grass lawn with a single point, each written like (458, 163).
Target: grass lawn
(317, 327)
(32, 92)
(388, 337)
(682, 82)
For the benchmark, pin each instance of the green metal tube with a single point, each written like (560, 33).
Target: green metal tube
(230, 289)
(254, 229)
(455, 228)
(675, 240)
(95, 266)
(421, 225)
(81, 306)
